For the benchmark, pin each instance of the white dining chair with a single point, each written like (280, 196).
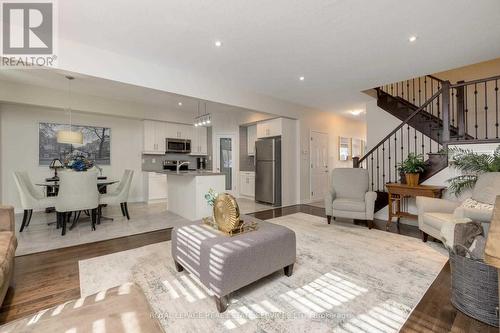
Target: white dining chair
(77, 192)
(119, 195)
(31, 197)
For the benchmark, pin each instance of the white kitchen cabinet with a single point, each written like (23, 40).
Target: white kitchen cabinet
(154, 137)
(251, 138)
(199, 141)
(160, 136)
(149, 136)
(247, 183)
(179, 131)
(156, 187)
(269, 128)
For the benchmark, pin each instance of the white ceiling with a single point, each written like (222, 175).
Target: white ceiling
(93, 86)
(341, 46)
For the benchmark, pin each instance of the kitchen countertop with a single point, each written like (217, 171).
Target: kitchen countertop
(190, 173)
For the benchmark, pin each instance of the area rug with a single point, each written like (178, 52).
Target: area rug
(346, 279)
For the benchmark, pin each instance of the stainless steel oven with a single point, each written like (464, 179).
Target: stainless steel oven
(178, 146)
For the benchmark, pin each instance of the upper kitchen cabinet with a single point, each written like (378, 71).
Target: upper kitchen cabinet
(269, 128)
(154, 137)
(179, 131)
(251, 138)
(199, 141)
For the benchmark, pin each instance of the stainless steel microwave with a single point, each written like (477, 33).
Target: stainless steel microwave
(178, 146)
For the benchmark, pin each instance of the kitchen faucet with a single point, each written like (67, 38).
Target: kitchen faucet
(181, 164)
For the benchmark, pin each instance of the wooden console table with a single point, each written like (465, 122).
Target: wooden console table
(398, 193)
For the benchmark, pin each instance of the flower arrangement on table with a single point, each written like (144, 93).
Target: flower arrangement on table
(78, 162)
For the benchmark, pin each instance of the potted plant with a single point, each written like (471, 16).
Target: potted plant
(412, 167)
(471, 164)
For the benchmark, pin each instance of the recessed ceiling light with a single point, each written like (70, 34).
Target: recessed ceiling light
(302, 78)
(356, 112)
(218, 43)
(412, 39)
(180, 103)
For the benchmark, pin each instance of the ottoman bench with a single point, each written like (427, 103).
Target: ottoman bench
(225, 264)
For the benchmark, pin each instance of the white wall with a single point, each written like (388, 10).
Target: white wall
(19, 146)
(335, 126)
(380, 123)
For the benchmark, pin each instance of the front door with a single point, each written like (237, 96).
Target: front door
(319, 165)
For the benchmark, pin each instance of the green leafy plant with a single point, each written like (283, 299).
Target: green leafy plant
(471, 164)
(414, 163)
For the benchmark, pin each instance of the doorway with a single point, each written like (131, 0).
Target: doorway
(225, 159)
(319, 176)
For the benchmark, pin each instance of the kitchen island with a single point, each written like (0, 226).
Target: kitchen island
(187, 189)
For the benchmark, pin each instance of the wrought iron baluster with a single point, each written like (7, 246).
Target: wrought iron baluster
(389, 151)
(438, 104)
(408, 90)
(371, 158)
(466, 110)
(452, 107)
(383, 163)
(413, 88)
(486, 110)
(475, 110)
(378, 172)
(415, 138)
(419, 93)
(408, 132)
(430, 140)
(423, 145)
(425, 87)
(496, 108)
(402, 149)
(396, 155)
(432, 92)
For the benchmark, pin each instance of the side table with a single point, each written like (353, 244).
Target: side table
(399, 193)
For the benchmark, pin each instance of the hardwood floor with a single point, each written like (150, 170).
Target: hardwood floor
(49, 278)
(435, 313)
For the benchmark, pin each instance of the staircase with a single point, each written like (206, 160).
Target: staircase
(434, 114)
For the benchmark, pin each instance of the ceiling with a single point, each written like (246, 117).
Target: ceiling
(94, 86)
(341, 47)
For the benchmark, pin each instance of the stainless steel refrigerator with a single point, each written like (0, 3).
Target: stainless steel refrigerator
(268, 171)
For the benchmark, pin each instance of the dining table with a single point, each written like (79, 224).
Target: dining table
(52, 187)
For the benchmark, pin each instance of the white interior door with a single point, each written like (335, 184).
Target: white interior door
(319, 165)
(225, 159)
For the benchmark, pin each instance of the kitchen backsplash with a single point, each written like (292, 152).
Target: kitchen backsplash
(155, 162)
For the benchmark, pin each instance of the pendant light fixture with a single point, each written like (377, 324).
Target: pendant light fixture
(204, 119)
(70, 136)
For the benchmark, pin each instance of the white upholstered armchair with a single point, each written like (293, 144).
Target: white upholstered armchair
(434, 213)
(349, 196)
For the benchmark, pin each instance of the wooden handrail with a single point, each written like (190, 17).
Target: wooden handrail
(461, 84)
(435, 78)
(410, 117)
